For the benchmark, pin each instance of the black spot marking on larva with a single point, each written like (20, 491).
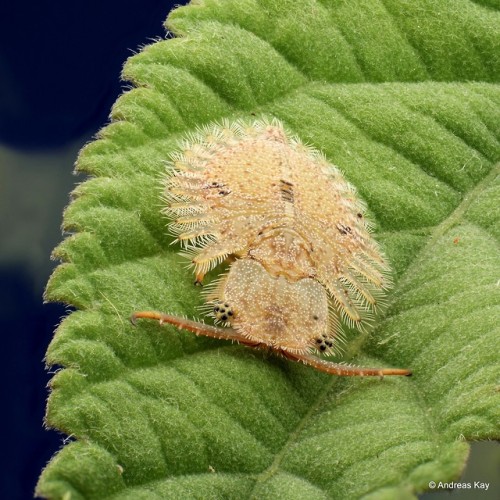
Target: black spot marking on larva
(343, 229)
(286, 188)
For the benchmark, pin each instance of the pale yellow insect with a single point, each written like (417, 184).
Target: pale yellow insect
(302, 258)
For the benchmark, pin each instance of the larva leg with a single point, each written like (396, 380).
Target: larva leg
(193, 326)
(343, 370)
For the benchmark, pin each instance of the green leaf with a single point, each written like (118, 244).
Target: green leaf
(403, 96)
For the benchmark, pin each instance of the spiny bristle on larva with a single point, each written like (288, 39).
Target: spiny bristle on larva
(335, 327)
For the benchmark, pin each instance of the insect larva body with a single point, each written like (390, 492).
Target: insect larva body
(293, 222)
(302, 258)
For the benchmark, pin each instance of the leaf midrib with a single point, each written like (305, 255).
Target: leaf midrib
(274, 467)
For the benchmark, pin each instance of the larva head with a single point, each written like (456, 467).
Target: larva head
(287, 316)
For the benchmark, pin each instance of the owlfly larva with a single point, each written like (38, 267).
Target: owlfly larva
(302, 259)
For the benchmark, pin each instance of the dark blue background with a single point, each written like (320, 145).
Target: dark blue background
(60, 64)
